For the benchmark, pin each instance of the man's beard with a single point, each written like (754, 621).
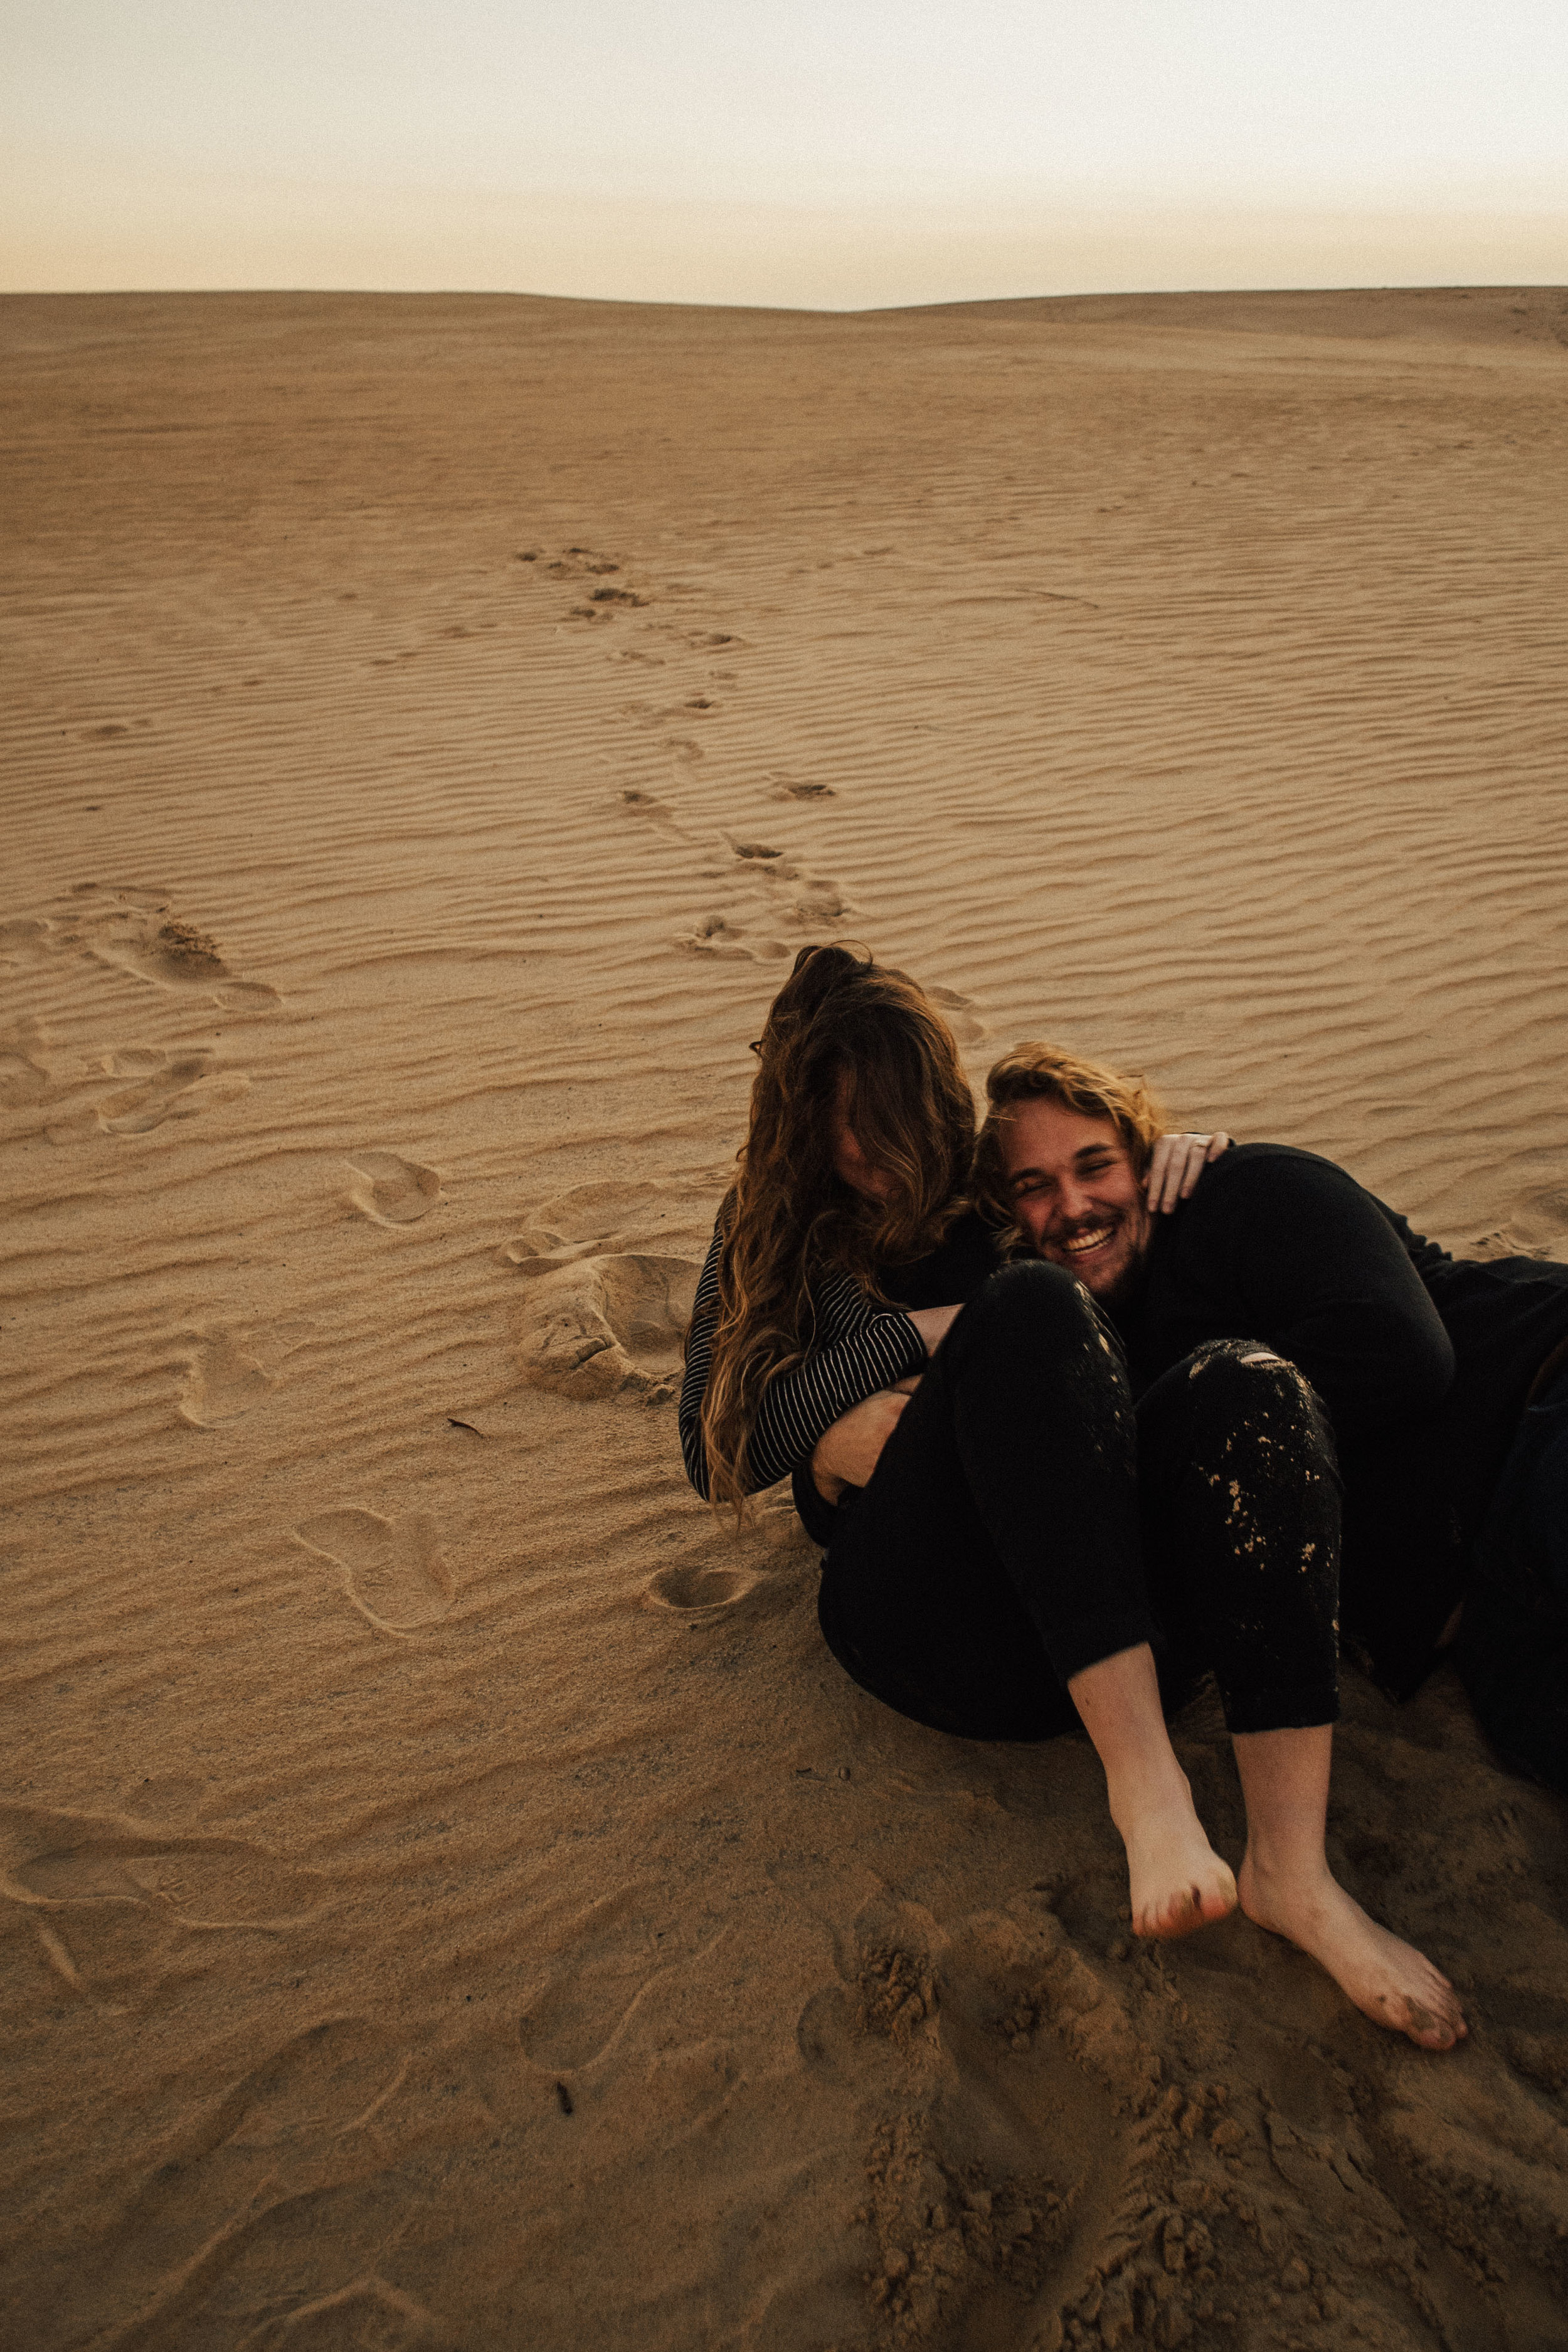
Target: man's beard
(1123, 1291)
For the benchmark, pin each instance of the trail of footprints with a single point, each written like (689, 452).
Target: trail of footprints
(610, 1271)
(773, 894)
(772, 901)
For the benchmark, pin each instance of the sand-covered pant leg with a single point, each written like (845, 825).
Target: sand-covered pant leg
(1241, 1510)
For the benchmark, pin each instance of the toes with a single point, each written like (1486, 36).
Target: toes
(1430, 2029)
(1178, 1918)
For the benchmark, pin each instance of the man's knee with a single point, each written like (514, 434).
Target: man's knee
(1243, 1386)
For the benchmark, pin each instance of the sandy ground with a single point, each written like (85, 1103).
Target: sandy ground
(452, 1899)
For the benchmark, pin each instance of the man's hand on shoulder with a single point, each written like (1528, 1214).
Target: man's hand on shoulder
(1294, 1252)
(1177, 1163)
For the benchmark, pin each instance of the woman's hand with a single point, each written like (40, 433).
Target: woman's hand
(1178, 1161)
(847, 1453)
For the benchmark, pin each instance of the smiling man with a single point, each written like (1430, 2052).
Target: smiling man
(1072, 1185)
(1445, 1381)
(1442, 1391)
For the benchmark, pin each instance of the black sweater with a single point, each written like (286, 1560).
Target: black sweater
(1423, 1361)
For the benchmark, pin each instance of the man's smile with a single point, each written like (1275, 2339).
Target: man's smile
(1080, 1244)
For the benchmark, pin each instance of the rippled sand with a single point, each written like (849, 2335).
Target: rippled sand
(452, 1898)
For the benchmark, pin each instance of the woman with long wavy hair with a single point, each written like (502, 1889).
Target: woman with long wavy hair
(951, 1433)
(793, 1323)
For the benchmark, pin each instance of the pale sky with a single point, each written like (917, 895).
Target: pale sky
(833, 153)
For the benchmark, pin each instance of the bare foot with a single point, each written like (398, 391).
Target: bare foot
(1389, 1981)
(1177, 1881)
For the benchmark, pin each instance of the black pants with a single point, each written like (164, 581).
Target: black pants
(1027, 1519)
(1512, 1649)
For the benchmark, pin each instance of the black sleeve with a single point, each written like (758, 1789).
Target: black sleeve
(1320, 1272)
(862, 1347)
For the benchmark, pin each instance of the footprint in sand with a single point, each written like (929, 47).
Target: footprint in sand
(671, 1216)
(816, 902)
(392, 1190)
(368, 2311)
(26, 940)
(205, 1881)
(227, 1372)
(1537, 1227)
(106, 1891)
(717, 935)
(131, 929)
(977, 2206)
(689, 1589)
(25, 1076)
(787, 896)
(1540, 1221)
(789, 788)
(607, 1326)
(577, 560)
(820, 904)
(960, 1014)
(110, 730)
(602, 603)
(651, 809)
(392, 1570)
(163, 1086)
(240, 2157)
(167, 1086)
(768, 864)
(608, 1969)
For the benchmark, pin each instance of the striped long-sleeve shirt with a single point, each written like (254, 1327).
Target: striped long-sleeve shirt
(861, 1346)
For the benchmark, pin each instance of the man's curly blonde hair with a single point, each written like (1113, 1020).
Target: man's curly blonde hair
(1033, 1069)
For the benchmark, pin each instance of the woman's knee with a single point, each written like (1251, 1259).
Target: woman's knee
(1033, 1301)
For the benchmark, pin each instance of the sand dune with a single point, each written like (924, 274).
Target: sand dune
(452, 1898)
